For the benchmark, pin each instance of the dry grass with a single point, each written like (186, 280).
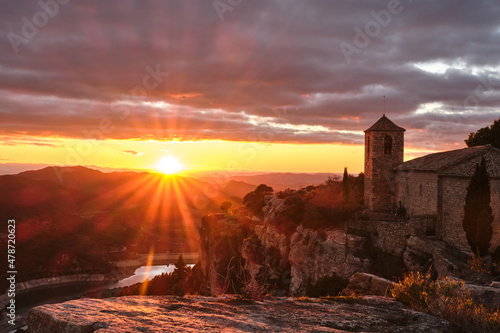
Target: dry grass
(478, 264)
(447, 299)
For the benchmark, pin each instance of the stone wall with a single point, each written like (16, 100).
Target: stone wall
(379, 177)
(389, 236)
(454, 192)
(424, 225)
(418, 192)
(495, 206)
(368, 171)
(392, 236)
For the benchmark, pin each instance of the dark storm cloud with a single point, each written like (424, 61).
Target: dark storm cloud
(263, 73)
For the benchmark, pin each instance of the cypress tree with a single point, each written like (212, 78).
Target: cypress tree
(477, 211)
(345, 186)
(180, 269)
(178, 276)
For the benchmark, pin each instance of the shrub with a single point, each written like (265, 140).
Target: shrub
(478, 264)
(285, 193)
(315, 207)
(416, 291)
(294, 208)
(226, 206)
(447, 299)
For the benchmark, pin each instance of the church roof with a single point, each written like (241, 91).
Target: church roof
(384, 124)
(460, 162)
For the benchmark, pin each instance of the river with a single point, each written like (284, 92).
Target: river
(142, 273)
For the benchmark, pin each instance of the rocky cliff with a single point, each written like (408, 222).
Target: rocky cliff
(246, 254)
(195, 314)
(260, 254)
(221, 239)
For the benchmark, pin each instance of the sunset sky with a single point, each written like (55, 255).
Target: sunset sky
(240, 85)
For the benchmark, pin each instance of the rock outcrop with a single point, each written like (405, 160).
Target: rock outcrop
(313, 257)
(368, 284)
(423, 254)
(485, 295)
(195, 314)
(221, 239)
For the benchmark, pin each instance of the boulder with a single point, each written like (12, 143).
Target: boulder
(495, 284)
(136, 314)
(486, 295)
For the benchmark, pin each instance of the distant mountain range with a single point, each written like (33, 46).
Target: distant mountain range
(76, 219)
(279, 181)
(88, 191)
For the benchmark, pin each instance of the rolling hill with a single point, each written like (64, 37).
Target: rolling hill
(73, 223)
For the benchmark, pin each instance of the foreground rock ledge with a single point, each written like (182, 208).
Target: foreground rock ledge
(195, 314)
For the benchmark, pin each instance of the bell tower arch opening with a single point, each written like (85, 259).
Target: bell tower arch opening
(388, 145)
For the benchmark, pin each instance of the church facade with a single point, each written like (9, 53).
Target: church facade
(432, 188)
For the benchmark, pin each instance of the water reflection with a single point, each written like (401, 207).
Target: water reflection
(143, 273)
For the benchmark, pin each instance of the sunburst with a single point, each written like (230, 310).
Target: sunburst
(169, 165)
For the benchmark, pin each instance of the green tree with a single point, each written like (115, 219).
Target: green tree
(178, 276)
(345, 186)
(255, 200)
(477, 211)
(226, 206)
(485, 135)
(263, 189)
(180, 269)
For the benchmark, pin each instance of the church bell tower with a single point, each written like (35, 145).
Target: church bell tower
(384, 151)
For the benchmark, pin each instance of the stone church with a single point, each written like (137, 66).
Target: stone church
(430, 188)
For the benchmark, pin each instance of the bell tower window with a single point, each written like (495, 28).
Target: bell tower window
(388, 145)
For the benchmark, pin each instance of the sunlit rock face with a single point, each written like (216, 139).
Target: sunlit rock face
(289, 263)
(196, 314)
(221, 239)
(308, 255)
(313, 257)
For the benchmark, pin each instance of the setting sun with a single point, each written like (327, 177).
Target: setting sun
(169, 165)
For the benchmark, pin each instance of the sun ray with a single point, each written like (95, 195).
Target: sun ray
(187, 219)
